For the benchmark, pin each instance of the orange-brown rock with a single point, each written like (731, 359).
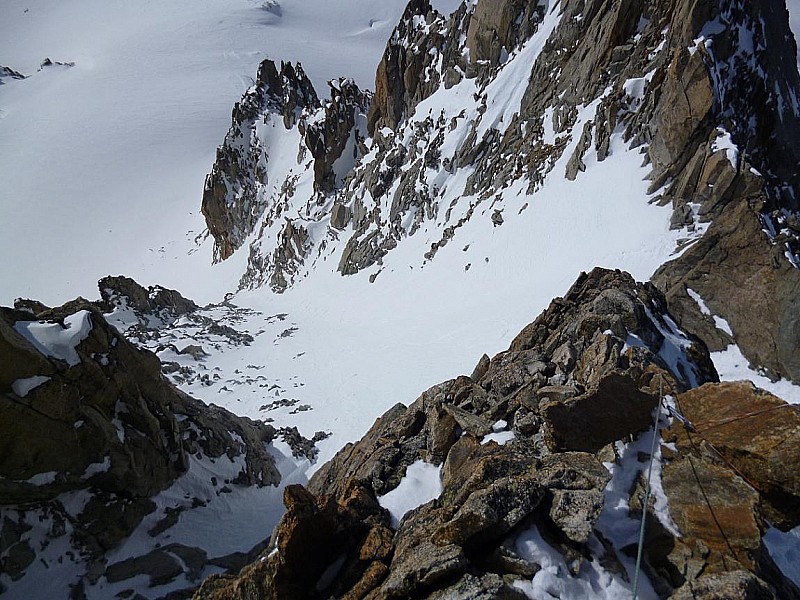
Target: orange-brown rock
(757, 434)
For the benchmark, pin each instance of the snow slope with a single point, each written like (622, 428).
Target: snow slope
(350, 349)
(103, 163)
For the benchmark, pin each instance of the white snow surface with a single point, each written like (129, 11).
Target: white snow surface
(724, 141)
(421, 483)
(43, 478)
(554, 580)
(794, 23)
(733, 366)
(56, 340)
(355, 348)
(500, 435)
(104, 162)
(784, 547)
(22, 387)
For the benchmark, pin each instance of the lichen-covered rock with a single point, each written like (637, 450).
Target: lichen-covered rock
(725, 478)
(756, 433)
(736, 585)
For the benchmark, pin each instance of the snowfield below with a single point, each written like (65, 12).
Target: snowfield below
(119, 144)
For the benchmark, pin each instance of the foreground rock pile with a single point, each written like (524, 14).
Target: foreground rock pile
(574, 384)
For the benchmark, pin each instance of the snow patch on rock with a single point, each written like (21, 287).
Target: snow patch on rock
(57, 340)
(422, 483)
(22, 387)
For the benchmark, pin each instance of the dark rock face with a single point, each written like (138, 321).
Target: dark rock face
(462, 544)
(745, 266)
(156, 301)
(398, 85)
(83, 410)
(328, 138)
(231, 203)
(48, 62)
(746, 279)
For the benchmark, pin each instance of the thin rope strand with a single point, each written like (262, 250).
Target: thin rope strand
(647, 491)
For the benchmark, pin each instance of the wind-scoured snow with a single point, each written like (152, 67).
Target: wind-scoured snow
(230, 518)
(505, 93)
(349, 349)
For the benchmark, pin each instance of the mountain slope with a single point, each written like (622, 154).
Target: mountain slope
(523, 479)
(382, 241)
(482, 121)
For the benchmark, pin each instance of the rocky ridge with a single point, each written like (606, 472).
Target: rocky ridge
(280, 117)
(546, 441)
(10, 73)
(93, 440)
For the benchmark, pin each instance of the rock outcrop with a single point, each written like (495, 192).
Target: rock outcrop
(154, 302)
(8, 72)
(232, 197)
(728, 476)
(508, 461)
(84, 414)
(279, 122)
